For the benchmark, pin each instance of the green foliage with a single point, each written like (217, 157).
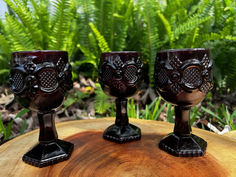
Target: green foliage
(32, 25)
(151, 112)
(6, 131)
(61, 21)
(101, 105)
(150, 34)
(101, 41)
(222, 115)
(75, 97)
(85, 28)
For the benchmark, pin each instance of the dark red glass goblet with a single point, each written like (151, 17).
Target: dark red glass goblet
(183, 77)
(120, 74)
(39, 80)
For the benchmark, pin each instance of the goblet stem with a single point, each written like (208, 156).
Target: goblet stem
(47, 127)
(182, 125)
(182, 142)
(121, 112)
(122, 131)
(50, 150)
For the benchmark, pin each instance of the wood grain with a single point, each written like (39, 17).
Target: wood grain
(95, 157)
(231, 134)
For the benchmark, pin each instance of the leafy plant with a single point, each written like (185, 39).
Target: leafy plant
(85, 28)
(33, 25)
(151, 111)
(222, 116)
(7, 131)
(102, 105)
(75, 97)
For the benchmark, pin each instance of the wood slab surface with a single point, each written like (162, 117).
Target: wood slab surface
(95, 157)
(231, 134)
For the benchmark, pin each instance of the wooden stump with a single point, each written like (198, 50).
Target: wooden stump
(95, 157)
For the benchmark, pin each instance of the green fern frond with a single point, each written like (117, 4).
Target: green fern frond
(190, 24)
(195, 36)
(5, 48)
(60, 28)
(42, 15)
(171, 7)
(167, 27)
(18, 35)
(86, 15)
(231, 38)
(101, 41)
(89, 57)
(100, 14)
(205, 8)
(110, 22)
(218, 11)
(207, 37)
(231, 70)
(122, 21)
(150, 40)
(26, 17)
(101, 104)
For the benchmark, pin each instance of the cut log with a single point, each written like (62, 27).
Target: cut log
(95, 157)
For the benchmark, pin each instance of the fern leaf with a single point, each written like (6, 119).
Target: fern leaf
(42, 14)
(195, 36)
(111, 19)
(101, 104)
(5, 48)
(101, 41)
(60, 29)
(26, 17)
(89, 57)
(205, 8)
(100, 14)
(86, 15)
(190, 24)
(231, 38)
(167, 27)
(18, 35)
(207, 37)
(150, 39)
(122, 21)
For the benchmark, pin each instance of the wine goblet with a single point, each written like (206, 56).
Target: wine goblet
(39, 80)
(183, 77)
(120, 74)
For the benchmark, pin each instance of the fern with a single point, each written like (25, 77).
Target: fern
(89, 57)
(59, 31)
(101, 41)
(101, 104)
(26, 18)
(5, 48)
(232, 72)
(43, 15)
(19, 35)
(167, 27)
(206, 8)
(190, 24)
(122, 20)
(151, 37)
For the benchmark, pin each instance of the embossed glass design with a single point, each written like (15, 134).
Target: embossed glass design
(39, 80)
(120, 74)
(183, 77)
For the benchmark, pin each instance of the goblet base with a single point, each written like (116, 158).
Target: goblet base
(45, 154)
(183, 146)
(122, 133)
